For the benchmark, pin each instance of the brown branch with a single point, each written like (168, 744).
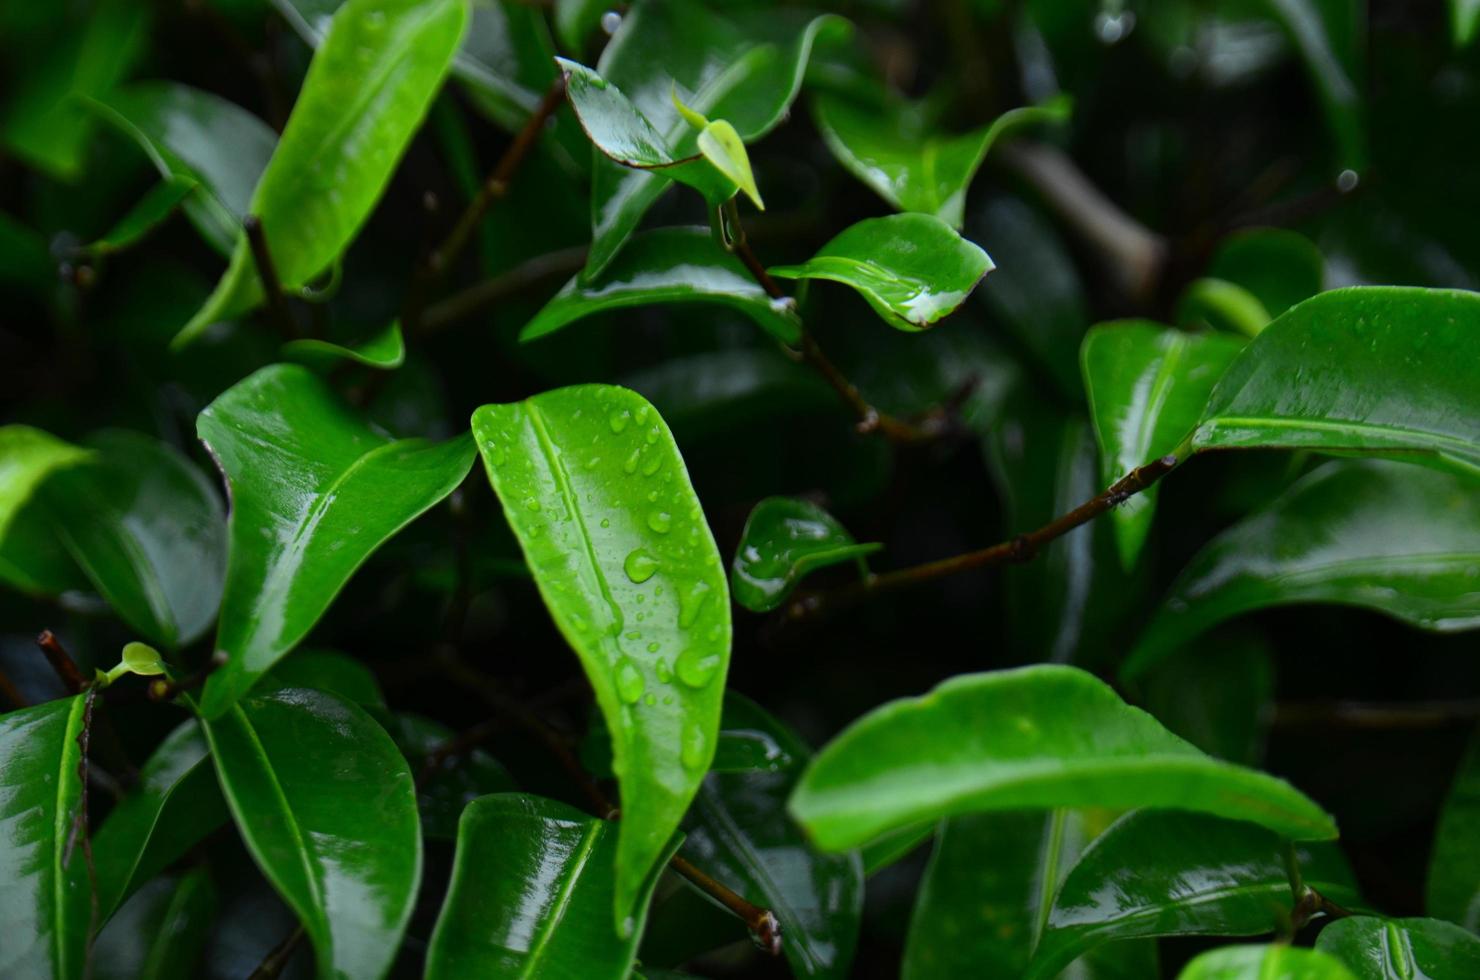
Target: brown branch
(279, 956)
(482, 295)
(1370, 716)
(61, 661)
(267, 272)
(12, 693)
(1020, 549)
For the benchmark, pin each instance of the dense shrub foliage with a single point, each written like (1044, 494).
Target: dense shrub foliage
(926, 488)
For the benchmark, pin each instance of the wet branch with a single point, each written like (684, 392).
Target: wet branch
(272, 286)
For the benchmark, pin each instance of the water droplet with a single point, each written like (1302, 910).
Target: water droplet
(610, 21)
(1347, 181)
(605, 522)
(630, 464)
(650, 700)
(694, 748)
(496, 454)
(618, 420)
(1113, 26)
(691, 603)
(652, 435)
(651, 466)
(642, 414)
(660, 521)
(665, 672)
(533, 504)
(654, 647)
(640, 566)
(696, 667)
(629, 681)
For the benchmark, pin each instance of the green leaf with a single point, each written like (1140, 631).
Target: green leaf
(1217, 304)
(195, 135)
(161, 932)
(1398, 949)
(913, 269)
(743, 66)
(385, 350)
(1331, 36)
(328, 488)
(325, 670)
(1168, 873)
(1045, 736)
(1464, 19)
(576, 20)
(443, 793)
(722, 146)
(1281, 268)
(785, 539)
(45, 894)
(1219, 699)
(175, 804)
(149, 213)
(147, 528)
(367, 88)
(327, 807)
(594, 488)
(531, 895)
(1398, 539)
(1454, 867)
(669, 265)
(1252, 961)
(31, 558)
(908, 161)
(986, 895)
(1382, 370)
(740, 834)
(1147, 386)
(142, 659)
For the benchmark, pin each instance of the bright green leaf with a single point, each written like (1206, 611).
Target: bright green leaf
(784, 540)
(385, 350)
(1218, 304)
(31, 557)
(1454, 868)
(1464, 18)
(1401, 949)
(1273, 962)
(722, 146)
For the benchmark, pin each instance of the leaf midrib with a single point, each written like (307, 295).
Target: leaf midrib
(1460, 451)
(556, 912)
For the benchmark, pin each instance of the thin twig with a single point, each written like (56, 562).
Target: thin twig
(1020, 549)
(72, 677)
(480, 296)
(12, 693)
(1364, 715)
(61, 661)
(279, 956)
(267, 272)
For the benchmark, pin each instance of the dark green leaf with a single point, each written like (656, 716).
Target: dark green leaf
(669, 265)
(1400, 949)
(149, 213)
(330, 488)
(1147, 387)
(576, 20)
(1373, 533)
(597, 494)
(1167, 873)
(1454, 868)
(1280, 267)
(532, 889)
(1331, 38)
(913, 269)
(785, 539)
(367, 89)
(44, 895)
(385, 350)
(1249, 961)
(1218, 697)
(325, 670)
(161, 932)
(454, 782)
(907, 160)
(31, 557)
(1464, 17)
(1044, 736)
(327, 807)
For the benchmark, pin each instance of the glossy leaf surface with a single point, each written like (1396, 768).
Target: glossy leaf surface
(784, 539)
(327, 807)
(328, 488)
(44, 892)
(531, 895)
(161, 932)
(908, 161)
(1044, 736)
(1366, 370)
(1147, 386)
(385, 349)
(1398, 539)
(668, 265)
(325, 670)
(1398, 949)
(597, 494)
(1169, 873)
(367, 88)
(31, 558)
(913, 269)
(1454, 868)
(1271, 962)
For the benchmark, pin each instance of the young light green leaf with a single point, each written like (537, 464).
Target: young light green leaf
(913, 269)
(194, 135)
(1034, 737)
(531, 895)
(445, 789)
(1167, 873)
(149, 213)
(722, 146)
(785, 539)
(907, 160)
(1399, 539)
(1280, 267)
(1147, 386)
(1277, 961)
(1454, 868)
(142, 659)
(1380, 370)
(327, 807)
(668, 265)
(595, 490)
(329, 488)
(32, 559)
(367, 88)
(385, 350)
(45, 892)
(1399, 949)
(1217, 304)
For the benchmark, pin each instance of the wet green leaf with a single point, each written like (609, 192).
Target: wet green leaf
(669, 265)
(342, 142)
(1044, 736)
(1382, 371)
(597, 494)
(1147, 386)
(785, 539)
(385, 350)
(44, 894)
(1274, 962)
(161, 932)
(909, 161)
(531, 895)
(913, 269)
(1454, 868)
(327, 807)
(1168, 873)
(333, 489)
(1398, 949)
(152, 210)
(1399, 539)
(32, 559)
(1280, 267)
